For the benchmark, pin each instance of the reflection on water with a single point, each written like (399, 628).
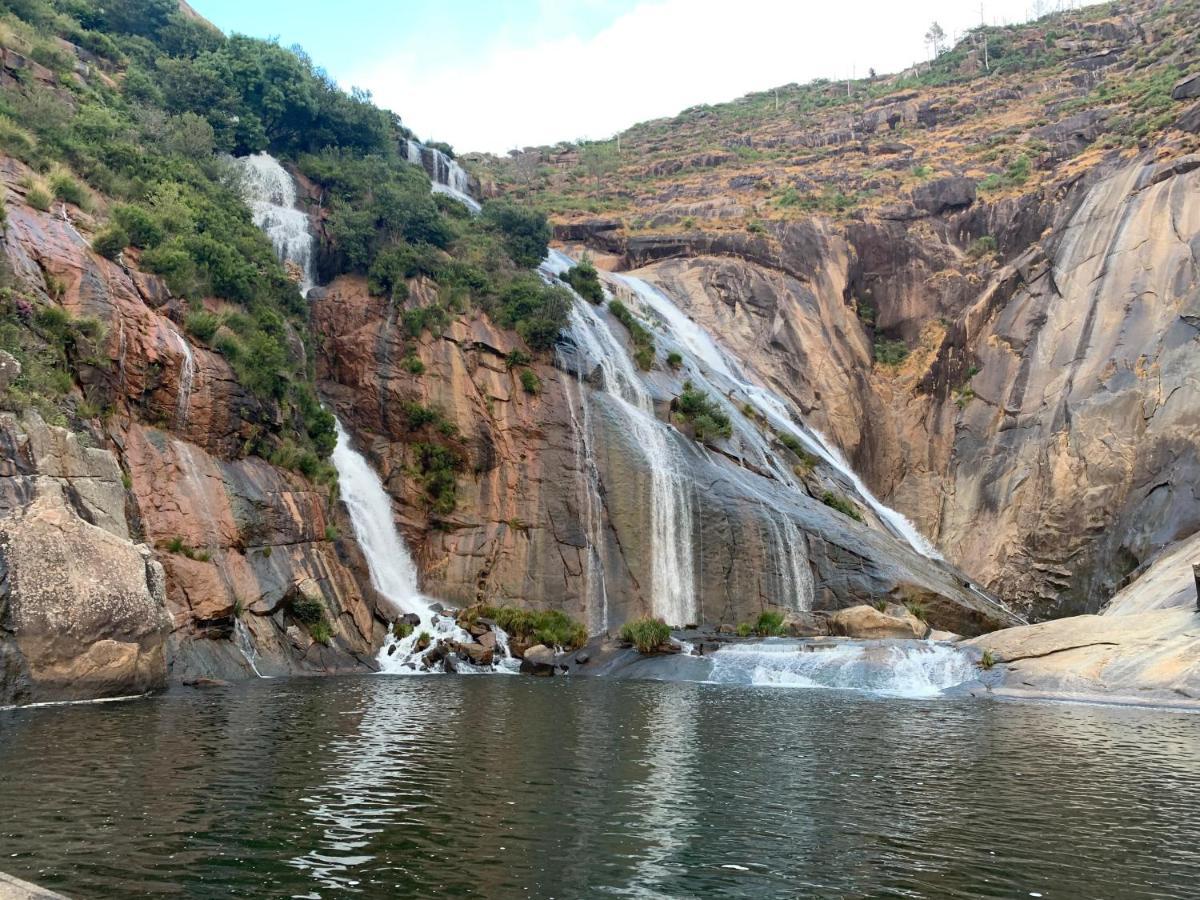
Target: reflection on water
(493, 787)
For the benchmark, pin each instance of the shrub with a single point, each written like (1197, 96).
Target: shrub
(530, 382)
(39, 198)
(674, 359)
(842, 505)
(321, 632)
(987, 660)
(745, 629)
(202, 324)
(645, 633)
(401, 629)
(308, 610)
(141, 227)
(535, 309)
(890, 353)
(437, 468)
(585, 280)
(552, 627)
(702, 412)
(111, 242)
(916, 609)
(982, 247)
(517, 358)
(525, 232)
(67, 188)
(769, 624)
(643, 340)
(412, 365)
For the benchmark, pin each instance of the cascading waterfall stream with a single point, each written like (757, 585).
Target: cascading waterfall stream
(672, 572)
(728, 378)
(445, 175)
(270, 192)
(899, 669)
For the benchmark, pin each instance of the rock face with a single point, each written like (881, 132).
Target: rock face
(1144, 649)
(82, 609)
(535, 524)
(1042, 429)
(180, 551)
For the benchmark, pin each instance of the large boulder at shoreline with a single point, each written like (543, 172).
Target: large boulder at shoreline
(866, 622)
(82, 607)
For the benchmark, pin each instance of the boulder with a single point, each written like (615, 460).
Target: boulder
(538, 660)
(805, 624)
(478, 654)
(85, 608)
(582, 658)
(944, 195)
(866, 622)
(1187, 87)
(1190, 120)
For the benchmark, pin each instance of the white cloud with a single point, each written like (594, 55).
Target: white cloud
(659, 58)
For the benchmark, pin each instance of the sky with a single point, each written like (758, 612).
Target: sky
(495, 75)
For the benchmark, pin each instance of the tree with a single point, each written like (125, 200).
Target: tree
(599, 159)
(935, 37)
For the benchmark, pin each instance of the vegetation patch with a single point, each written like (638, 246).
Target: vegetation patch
(551, 627)
(643, 340)
(646, 634)
(842, 505)
(584, 278)
(705, 415)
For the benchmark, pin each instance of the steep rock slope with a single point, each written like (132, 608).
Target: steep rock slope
(981, 284)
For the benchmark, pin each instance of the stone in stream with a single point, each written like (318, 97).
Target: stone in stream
(538, 660)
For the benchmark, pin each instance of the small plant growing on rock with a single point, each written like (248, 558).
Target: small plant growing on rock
(412, 365)
(331, 532)
(745, 629)
(645, 633)
(321, 632)
(881, 606)
(308, 610)
(401, 629)
(890, 353)
(39, 198)
(769, 624)
(982, 246)
(643, 340)
(516, 359)
(674, 359)
(842, 505)
(988, 660)
(916, 609)
(110, 242)
(530, 382)
(702, 412)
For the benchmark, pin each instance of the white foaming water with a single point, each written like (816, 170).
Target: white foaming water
(909, 669)
(672, 570)
(270, 192)
(246, 645)
(445, 175)
(720, 371)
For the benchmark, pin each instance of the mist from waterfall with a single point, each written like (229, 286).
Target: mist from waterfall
(270, 192)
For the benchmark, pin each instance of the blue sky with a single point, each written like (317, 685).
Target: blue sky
(497, 75)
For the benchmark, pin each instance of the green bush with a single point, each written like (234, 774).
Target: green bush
(525, 232)
(64, 187)
(202, 324)
(643, 340)
(707, 418)
(412, 365)
(111, 242)
(674, 359)
(530, 382)
(769, 624)
(39, 198)
(890, 353)
(307, 610)
(842, 505)
(517, 358)
(550, 627)
(584, 278)
(982, 246)
(645, 633)
(141, 227)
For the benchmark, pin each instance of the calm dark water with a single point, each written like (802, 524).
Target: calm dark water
(515, 787)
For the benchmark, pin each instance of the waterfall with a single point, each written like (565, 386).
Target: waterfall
(270, 192)
(391, 567)
(445, 175)
(187, 377)
(902, 669)
(727, 378)
(673, 594)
